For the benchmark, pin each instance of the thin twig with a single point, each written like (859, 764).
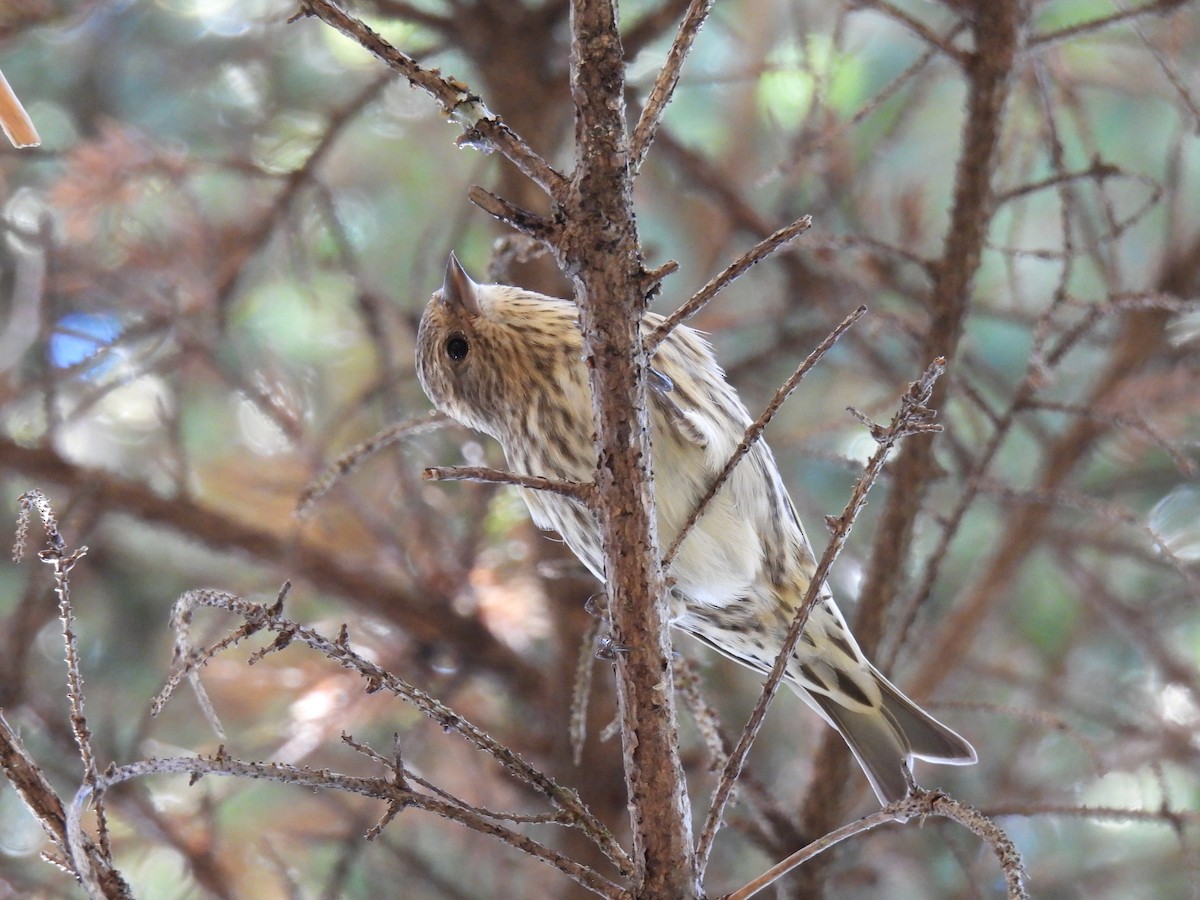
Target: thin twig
(668, 78)
(26, 504)
(998, 32)
(771, 825)
(755, 429)
(809, 146)
(756, 254)
(1058, 498)
(313, 562)
(481, 127)
(356, 456)
(917, 27)
(56, 555)
(1175, 818)
(918, 803)
(1171, 72)
(583, 491)
(913, 417)
(1089, 26)
(706, 718)
(259, 618)
(1043, 719)
(582, 689)
(1097, 171)
(397, 795)
(268, 226)
(1117, 420)
(541, 229)
(554, 818)
(34, 788)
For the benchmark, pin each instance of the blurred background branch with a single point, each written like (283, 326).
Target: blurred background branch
(212, 270)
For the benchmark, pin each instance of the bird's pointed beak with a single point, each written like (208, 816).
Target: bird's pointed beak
(458, 290)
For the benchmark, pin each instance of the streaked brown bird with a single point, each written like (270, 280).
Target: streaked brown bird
(509, 362)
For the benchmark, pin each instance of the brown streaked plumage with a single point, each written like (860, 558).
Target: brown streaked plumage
(508, 362)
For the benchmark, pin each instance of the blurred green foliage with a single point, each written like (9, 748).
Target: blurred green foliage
(266, 214)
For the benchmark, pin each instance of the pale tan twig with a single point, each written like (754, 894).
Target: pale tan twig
(14, 120)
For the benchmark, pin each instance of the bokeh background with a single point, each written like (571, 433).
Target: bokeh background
(211, 275)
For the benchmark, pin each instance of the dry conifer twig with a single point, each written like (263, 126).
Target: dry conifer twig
(480, 125)
(665, 83)
(919, 803)
(271, 619)
(756, 254)
(913, 417)
(582, 491)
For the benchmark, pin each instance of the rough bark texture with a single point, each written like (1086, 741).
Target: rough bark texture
(602, 256)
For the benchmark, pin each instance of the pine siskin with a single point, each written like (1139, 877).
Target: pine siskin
(508, 362)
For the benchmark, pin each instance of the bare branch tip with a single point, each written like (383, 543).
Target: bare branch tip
(653, 278)
(277, 607)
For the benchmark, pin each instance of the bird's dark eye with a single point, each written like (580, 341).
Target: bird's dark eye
(457, 347)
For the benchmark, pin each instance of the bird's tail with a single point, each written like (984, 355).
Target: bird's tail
(895, 733)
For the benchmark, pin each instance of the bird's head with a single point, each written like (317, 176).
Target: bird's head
(487, 353)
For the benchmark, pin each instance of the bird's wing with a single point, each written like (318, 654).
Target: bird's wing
(693, 404)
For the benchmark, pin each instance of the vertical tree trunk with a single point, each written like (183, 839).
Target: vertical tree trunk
(601, 254)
